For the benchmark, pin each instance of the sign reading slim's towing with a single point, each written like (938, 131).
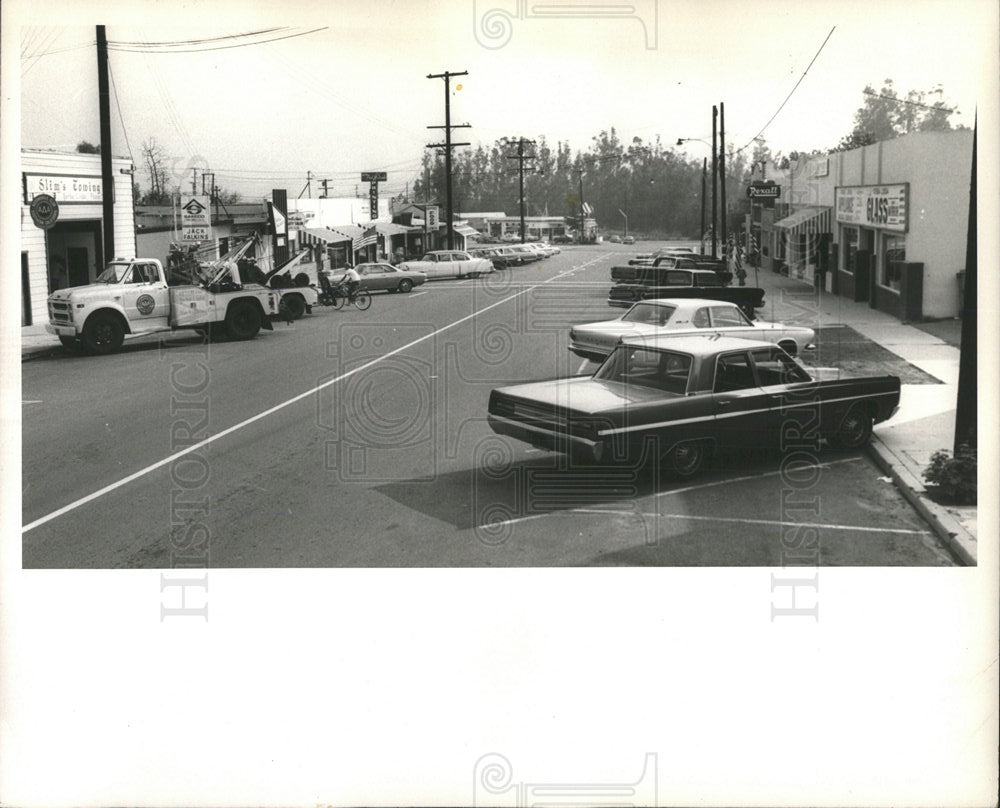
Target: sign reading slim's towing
(880, 206)
(196, 219)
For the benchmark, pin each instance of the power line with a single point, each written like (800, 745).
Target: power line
(220, 47)
(804, 72)
(120, 118)
(198, 41)
(904, 101)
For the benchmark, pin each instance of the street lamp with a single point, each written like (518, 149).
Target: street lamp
(579, 173)
(625, 217)
(704, 169)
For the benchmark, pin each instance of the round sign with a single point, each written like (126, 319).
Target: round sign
(145, 304)
(44, 211)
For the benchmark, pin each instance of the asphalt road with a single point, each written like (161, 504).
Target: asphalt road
(359, 439)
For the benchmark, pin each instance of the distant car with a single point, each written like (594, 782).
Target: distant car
(595, 341)
(547, 250)
(376, 277)
(615, 239)
(449, 264)
(628, 239)
(530, 252)
(674, 400)
(562, 239)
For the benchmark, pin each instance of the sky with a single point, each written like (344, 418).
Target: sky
(344, 90)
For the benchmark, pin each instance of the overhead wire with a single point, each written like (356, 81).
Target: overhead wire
(804, 72)
(120, 118)
(219, 47)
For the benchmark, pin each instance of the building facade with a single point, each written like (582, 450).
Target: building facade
(71, 251)
(885, 223)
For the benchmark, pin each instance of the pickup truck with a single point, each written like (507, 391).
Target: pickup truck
(131, 296)
(656, 282)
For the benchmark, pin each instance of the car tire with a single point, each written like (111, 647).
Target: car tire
(295, 304)
(405, 285)
(103, 334)
(854, 430)
(68, 342)
(242, 320)
(685, 460)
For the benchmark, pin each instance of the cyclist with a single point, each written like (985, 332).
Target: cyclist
(352, 280)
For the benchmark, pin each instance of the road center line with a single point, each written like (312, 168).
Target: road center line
(295, 399)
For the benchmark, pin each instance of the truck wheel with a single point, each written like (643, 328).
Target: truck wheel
(854, 431)
(242, 321)
(68, 342)
(295, 304)
(103, 334)
(405, 285)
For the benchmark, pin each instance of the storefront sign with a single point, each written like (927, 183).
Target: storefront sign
(64, 188)
(432, 218)
(373, 176)
(44, 211)
(763, 190)
(879, 206)
(196, 219)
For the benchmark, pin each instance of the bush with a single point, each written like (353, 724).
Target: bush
(954, 478)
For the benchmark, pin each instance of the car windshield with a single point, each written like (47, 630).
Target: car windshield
(647, 367)
(651, 313)
(114, 273)
(429, 257)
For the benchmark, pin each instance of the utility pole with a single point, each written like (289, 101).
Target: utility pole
(326, 190)
(448, 146)
(715, 177)
(722, 176)
(308, 186)
(520, 157)
(107, 175)
(194, 181)
(704, 177)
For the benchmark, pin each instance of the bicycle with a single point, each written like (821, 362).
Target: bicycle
(339, 295)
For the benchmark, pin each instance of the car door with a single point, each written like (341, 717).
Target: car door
(794, 416)
(145, 297)
(741, 407)
(438, 266)
(730, 321)
(461, 263)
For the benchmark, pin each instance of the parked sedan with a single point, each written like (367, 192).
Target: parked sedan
(376, 277)
(595, 341)
(674, 400)
(449, 264)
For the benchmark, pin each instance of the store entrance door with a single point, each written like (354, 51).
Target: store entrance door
(74, 253)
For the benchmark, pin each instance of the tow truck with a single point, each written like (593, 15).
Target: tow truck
(132, 296)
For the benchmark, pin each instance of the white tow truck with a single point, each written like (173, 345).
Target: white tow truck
(131, 296)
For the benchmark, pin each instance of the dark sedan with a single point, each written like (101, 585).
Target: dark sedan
(683, 397)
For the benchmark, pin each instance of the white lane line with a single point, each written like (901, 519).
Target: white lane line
(235, 427)
(697, 518)
(31, 401)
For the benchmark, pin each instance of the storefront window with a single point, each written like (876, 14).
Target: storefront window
(895, 256)
(850, 249)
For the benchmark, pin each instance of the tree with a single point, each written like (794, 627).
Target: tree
(885, 115)
(86, 147)
(155, 159)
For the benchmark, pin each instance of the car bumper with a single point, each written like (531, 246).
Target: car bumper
(61, 330)
(546, 438)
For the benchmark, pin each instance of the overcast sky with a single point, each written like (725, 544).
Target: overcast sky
(354, 95)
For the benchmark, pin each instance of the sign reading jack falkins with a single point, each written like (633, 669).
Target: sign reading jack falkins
(879, 206)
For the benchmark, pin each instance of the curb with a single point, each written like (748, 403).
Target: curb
(947, 527)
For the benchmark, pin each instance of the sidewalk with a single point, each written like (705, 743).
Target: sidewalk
(902, 446)
(925, 422)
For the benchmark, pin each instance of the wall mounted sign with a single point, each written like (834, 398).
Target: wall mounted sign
(763, 190)
(44, 211)
(880, 206)
(65, 188)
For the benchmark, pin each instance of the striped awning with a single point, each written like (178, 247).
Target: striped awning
(325, 234)
(465, 230)
(813, 219)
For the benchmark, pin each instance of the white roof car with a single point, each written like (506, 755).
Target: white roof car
(679, 317)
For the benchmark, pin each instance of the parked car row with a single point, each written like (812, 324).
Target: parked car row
(515, 255)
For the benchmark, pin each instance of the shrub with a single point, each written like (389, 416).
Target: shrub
(954, 477)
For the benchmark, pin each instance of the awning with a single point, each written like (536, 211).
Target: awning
(325, 234)
(808, 220)
(392, 229)
(465, 230)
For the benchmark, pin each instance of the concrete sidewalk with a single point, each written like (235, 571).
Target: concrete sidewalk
(902, 446)
(925, 422)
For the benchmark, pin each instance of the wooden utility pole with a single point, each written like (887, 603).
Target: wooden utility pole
(715, 178)
(448, 146)
(107, 175)
(966, 408)
(520, 157)
(722, 175)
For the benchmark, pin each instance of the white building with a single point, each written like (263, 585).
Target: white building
(71, 251)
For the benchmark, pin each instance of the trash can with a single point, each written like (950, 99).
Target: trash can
(961, 292)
